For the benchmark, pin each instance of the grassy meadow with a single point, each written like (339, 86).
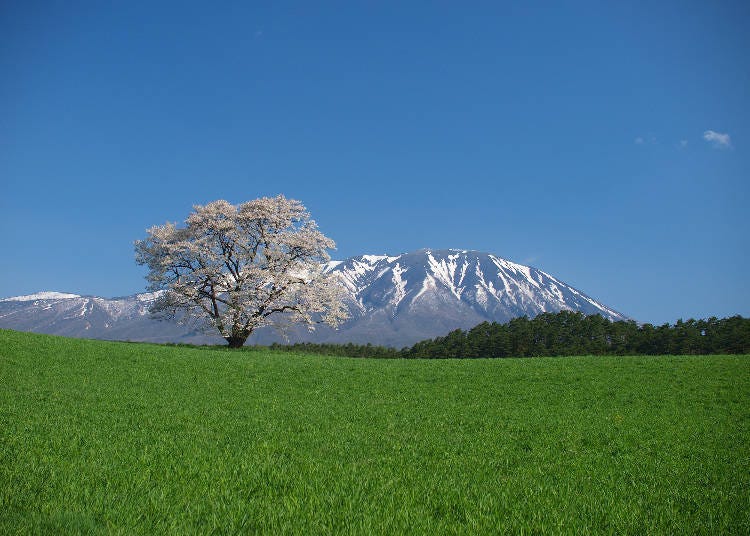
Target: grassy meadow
(102, 437)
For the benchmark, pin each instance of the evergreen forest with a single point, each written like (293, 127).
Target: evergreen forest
(563, 334)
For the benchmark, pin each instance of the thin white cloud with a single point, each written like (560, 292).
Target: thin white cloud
(683, 143)
(646, 140)
(717, 139)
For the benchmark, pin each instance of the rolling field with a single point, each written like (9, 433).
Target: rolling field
(101, 437)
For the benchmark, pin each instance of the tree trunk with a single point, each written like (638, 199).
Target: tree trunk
(237, 340)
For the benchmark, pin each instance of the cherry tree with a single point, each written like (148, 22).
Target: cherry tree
(241, 267)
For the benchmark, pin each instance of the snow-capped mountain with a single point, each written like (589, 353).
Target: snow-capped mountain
(402, 299)
(92, 317)
(392, 300)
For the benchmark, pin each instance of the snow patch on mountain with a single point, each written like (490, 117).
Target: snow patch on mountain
(399, 284)
(45, 295)
(444, 271)
(330, 265)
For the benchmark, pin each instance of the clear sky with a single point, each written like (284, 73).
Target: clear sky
(607, 143)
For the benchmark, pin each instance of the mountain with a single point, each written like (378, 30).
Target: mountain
(393, 301)
(92, 317)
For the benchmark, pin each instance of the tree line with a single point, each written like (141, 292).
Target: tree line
(561, 334)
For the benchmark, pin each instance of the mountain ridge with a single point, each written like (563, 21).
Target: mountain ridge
(393, 300)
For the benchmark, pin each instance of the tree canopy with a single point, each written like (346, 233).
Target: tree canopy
(242, 267)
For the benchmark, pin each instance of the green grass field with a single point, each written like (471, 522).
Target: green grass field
(100, 437)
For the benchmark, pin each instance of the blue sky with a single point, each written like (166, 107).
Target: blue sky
(572, 138)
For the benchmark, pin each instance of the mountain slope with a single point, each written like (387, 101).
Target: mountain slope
(393, 301)
(92, 317)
